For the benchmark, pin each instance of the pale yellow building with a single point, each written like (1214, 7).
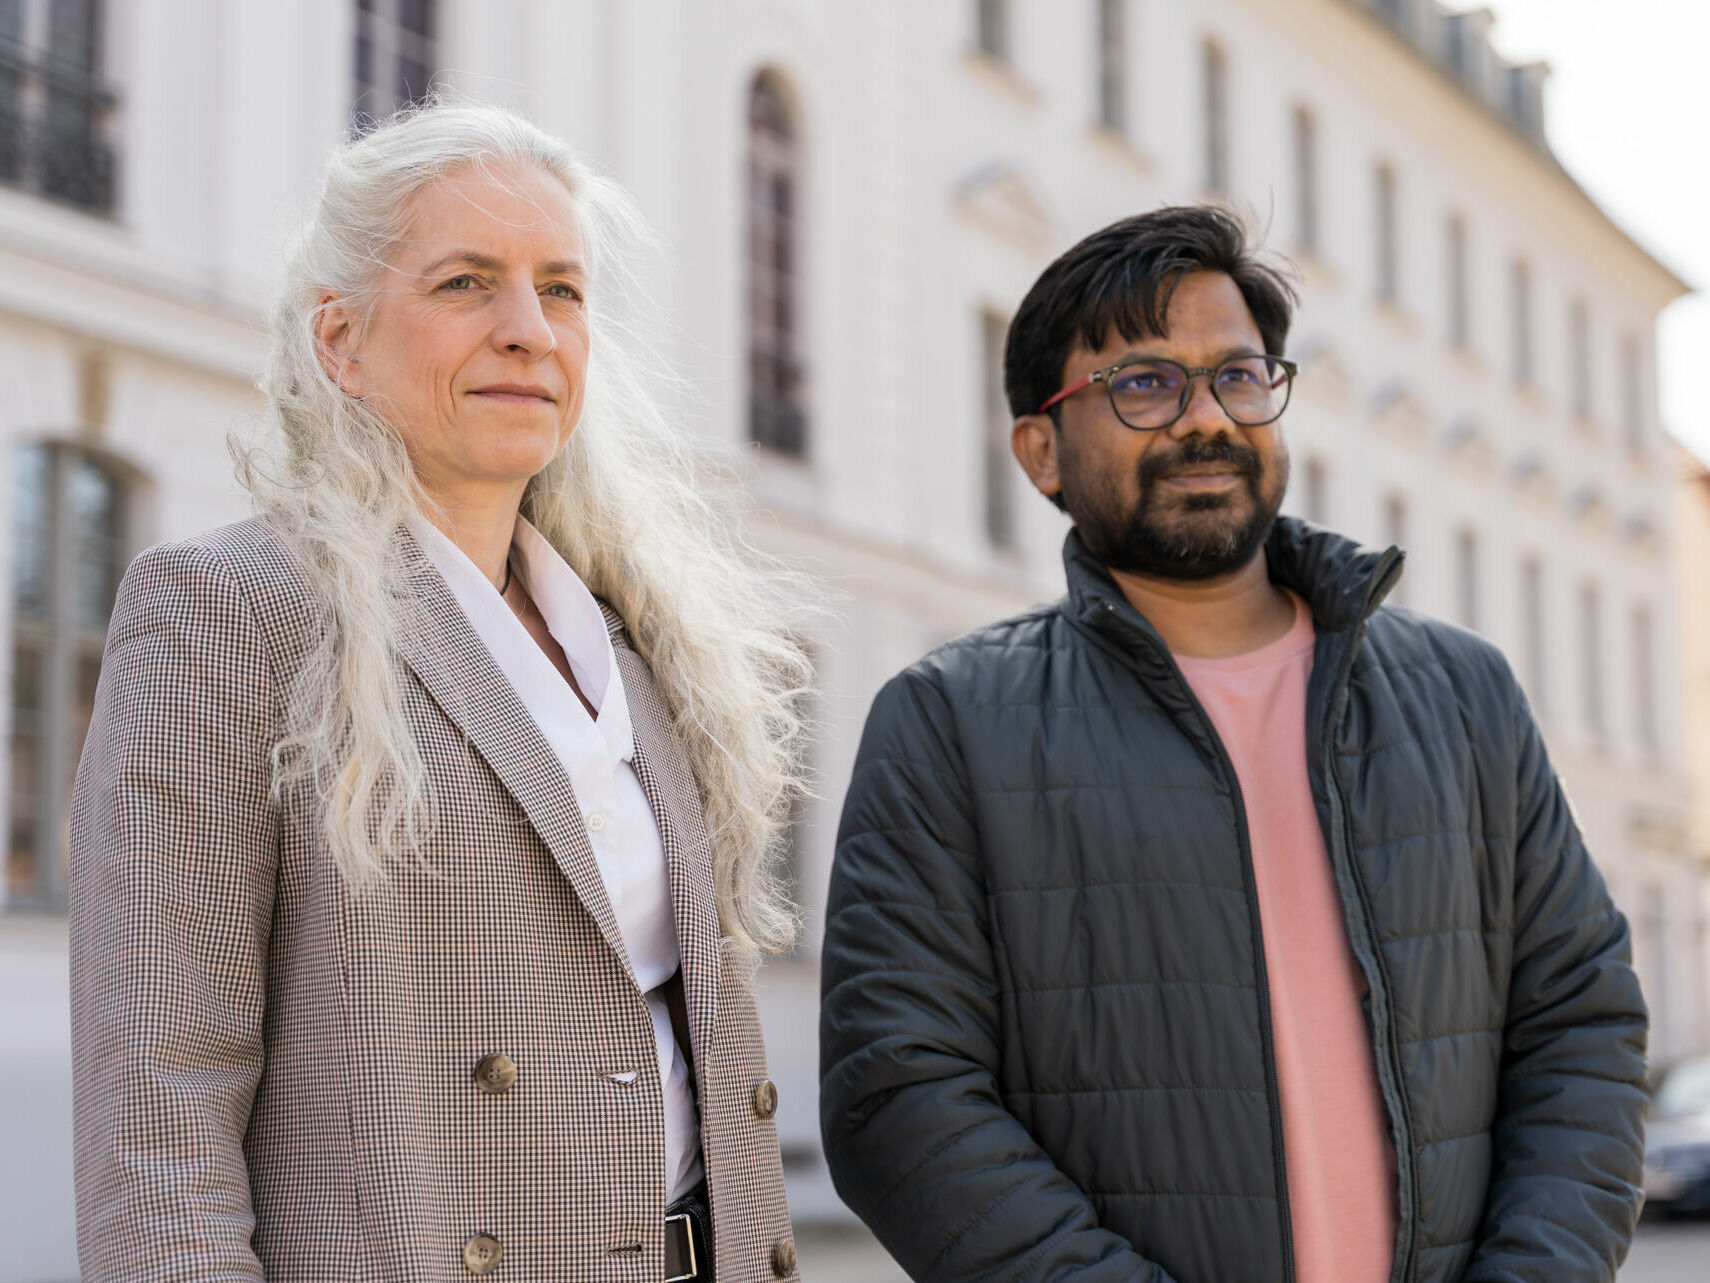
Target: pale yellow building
(1692, 593)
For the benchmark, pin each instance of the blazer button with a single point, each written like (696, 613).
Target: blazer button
(765, 1100)
(482, 1254)
(496, 1074)
(784, 1258)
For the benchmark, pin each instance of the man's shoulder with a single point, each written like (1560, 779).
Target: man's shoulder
(992, 653)
(1400, 641)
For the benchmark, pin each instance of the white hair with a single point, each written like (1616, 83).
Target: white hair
(620, 503)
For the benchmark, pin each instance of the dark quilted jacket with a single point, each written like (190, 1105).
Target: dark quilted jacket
(1045, 1036)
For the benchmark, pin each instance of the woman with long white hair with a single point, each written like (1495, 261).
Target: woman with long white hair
(425, 836)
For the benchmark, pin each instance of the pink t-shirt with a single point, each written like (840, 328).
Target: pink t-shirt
(1341, 1163)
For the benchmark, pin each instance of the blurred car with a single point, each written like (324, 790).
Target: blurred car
(1677, 1141)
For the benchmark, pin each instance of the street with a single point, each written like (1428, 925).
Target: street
(1663, 1252)
(1669, 1252)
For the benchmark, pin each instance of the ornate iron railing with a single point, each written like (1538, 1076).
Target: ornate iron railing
(54, 124)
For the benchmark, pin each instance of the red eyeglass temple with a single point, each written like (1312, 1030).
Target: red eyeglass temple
(1070, 391)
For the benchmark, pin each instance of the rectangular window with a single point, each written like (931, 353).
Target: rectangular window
(1520, 304)
(1644, 683)
(56, 110)
(1215, 72)
(396, 55)
(805, 832)
(1113, 65)
(1386, 237)
(1460, 309)
(991, 28)
(999, 462)
(1591, 660)
(1466, 578)
(1317, 499)
(1395, 534)
(1579, 354)
(1632, 395)
(1532, 631)
(68, 517)
(1306, 179)
(777, 376)
(1650, 950)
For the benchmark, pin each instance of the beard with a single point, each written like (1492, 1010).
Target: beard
(1185, 536)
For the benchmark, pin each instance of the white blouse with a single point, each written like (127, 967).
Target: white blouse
(598, 755)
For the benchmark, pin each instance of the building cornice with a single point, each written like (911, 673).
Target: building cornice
(1419, 35)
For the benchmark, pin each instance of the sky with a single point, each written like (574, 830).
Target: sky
(1628, 113)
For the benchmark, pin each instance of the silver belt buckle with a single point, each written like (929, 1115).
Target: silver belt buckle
(689, 1240)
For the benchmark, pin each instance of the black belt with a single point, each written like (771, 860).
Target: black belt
(688, 1238)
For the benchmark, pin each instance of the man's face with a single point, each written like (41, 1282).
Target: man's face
(1192, 501)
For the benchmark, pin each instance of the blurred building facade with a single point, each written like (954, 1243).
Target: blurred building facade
(1692, 554)
(855, 197)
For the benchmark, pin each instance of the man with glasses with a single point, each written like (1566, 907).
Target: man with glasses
(1216, 922)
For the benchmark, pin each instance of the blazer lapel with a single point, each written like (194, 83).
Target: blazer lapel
(671, 791)
(460, 674)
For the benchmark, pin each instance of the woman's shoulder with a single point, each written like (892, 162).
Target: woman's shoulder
(249, 554)
(246, 565)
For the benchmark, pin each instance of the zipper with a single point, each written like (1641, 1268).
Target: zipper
(1261, 973)
(1377, 985)
(1359, 931)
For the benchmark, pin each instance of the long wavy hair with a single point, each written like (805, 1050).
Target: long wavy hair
(622, 503)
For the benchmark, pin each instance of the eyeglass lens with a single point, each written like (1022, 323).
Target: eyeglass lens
(1153, 394)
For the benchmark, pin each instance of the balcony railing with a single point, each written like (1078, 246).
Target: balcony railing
(53, 130)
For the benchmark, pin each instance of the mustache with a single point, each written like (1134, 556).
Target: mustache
(1240, 459)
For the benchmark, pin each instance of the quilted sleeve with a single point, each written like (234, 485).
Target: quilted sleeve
(1568, 1135)
(916, 1134)
(173, 864)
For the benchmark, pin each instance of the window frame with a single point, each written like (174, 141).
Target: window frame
(70, 645)
(1112, 21)
(1215, 156)
(1523, 363)
(1457, 257)
(1593, 703)
(61, 112)
(1308, 212)
(1386, 246)
(380, 27)
(778, 419)
(994, 30)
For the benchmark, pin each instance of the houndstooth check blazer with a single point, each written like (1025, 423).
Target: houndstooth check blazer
(273, 1078)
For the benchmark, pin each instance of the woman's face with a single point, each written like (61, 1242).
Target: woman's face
(476, 350)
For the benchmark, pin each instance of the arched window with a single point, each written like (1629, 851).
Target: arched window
(70, 548)
(777, 415)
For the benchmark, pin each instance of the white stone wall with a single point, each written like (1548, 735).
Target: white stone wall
(937, 185)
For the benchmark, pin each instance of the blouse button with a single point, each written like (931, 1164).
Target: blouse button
(596, 821)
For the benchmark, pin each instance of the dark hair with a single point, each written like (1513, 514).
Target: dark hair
(1122, 278)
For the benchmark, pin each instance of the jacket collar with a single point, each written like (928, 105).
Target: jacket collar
(449, 658)
(672, 792)
(1341, 581)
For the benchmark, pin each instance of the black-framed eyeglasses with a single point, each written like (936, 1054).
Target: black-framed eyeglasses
(1153, 393)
